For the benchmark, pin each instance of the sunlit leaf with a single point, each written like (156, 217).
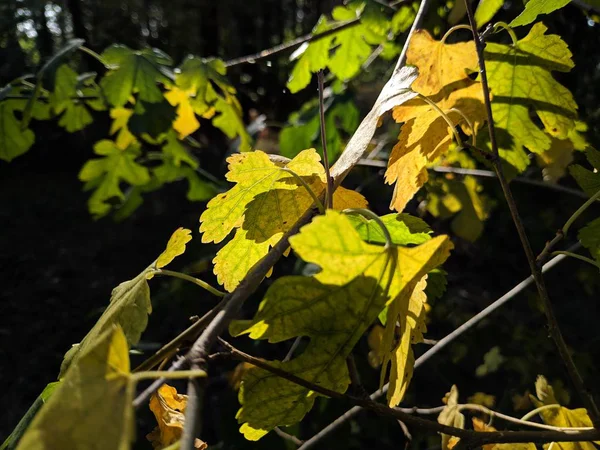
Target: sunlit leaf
(334, 308)
(486, 9)
(560, 416)
(13, 140)
(133, 72)
(108, 172)
(75, 115)
(451, 416)
(520, 78)
(124, 138)
(404, 229)
(186, 122)
(92, 404)
(265, 203)
(175, 247)
(425, 135)
(534, 8)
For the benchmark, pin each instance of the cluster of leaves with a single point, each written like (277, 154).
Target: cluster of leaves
(154, 109)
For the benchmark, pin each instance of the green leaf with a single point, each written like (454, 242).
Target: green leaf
(334, 308)
(486, 10)
(92, 404)
(314, 56)
(230, 122)
(436, 284)
(13, 140)
(264, 204)
(354, 44)
(129, 308)
(403, 228)
(534, 8)
(588, 180)
(135, 72)
(108, 172)
(590, 238)
(75, 115)
(521, 80)
(152, 119)
(403, 19)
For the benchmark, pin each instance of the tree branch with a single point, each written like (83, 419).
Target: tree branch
(442, 343)
(553, 328)
(474, 438)
(291, 45)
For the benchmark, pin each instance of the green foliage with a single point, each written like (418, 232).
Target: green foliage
(534, 8)
(590, 238)
(588, 180)
(14, 141)
(486, 9)
(520, 78)
(403, 228)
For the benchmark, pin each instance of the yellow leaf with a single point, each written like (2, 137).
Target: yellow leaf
(264, 204)
(175, 247)
(120, 118)
(451, 416)
(186, 122)
(425, 135)
(560, 416)
(334, 308)
(168, 407)
(481, 398)
(92, 404)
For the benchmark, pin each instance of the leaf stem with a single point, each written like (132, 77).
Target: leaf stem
(510, 31)
(371, 215)
(577, 256)
(168, 375)
(329, 192)
(444, 116)
(453, 29)
(532, 413)
(580, 211)
(96, 56)
(196, 281)
(553, 327)
(307, 187)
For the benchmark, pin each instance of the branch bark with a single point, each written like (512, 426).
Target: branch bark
(553, 327)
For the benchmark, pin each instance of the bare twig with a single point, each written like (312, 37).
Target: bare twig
(441, 344)
(553, 328)
(329, 191)
(291, 45)
(474, 438)
(288, 437)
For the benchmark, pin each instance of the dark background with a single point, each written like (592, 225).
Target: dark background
(58, 266)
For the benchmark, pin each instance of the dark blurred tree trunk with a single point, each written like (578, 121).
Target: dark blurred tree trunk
(76, 12)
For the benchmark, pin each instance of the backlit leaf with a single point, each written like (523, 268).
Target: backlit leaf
(486, 10)
(451, 416)
(92, 405)
(425, 135)
(534, 8)
(75, 115)
(108, 172)
(175, 247)
(520, 78)
(334, 308)
(133, 72)
(264, 204)
(588, 180)
(590, 238)
(186, 122)
(560, 416)
(119, 127)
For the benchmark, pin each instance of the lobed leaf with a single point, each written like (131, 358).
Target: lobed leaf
(14, 141)
(534, 8)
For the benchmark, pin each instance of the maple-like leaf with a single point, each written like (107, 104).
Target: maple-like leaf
(560, 416)
(92, 404)
(557, 158)
(105, 174)
(520, 79)
(133, 72)
(124, 137)
(75, 114)
(264, 204)
(186, 122)
(425, 135)
(175, 247)
(334, 308)
(13, 140)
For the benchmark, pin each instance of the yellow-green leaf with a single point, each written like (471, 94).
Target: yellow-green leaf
(92, 405)
(520, 78)
(175, 247)
(334, 308)
(486, 10)
(264, 204)
(534, 8)
(560, 416)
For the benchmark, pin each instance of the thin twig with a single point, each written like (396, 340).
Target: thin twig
(442, 343)
(191, 279)
(291, 45)
(329, 192)
(474, 438)
(288, 437)
(416, 24)
(292, 349)
(553, 328)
